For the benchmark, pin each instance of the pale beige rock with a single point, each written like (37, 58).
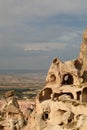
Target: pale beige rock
(62, 103)
(11, 113)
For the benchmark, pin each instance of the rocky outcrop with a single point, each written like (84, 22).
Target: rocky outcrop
(11, 116)
(62, 103)
(83, 56)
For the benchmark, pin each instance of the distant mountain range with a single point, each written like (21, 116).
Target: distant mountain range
(21, 71)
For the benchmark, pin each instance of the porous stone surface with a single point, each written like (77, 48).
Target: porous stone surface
(62, 103)
(11, 117)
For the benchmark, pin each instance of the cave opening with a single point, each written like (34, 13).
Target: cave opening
(84, 95)
(45, 115)
(67, 79)
(45, 94)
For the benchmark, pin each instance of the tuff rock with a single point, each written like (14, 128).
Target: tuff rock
(62, 103)
(11, 117)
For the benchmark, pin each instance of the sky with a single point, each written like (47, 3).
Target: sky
(33, 32)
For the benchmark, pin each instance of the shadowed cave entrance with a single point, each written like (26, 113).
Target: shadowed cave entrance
(45, 94)
(84, 95)
(45, 115)
(67, 79)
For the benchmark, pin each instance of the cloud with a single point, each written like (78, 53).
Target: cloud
(40, 28)
(44, 7)
(12, 11)
(44, 47)
(69, 35)
(36, 48)
(30, 21)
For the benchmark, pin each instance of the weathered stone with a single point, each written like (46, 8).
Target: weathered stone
(11, 113)
(62, 103)
(9, 93)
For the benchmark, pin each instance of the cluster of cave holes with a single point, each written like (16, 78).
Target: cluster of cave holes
(67, 79)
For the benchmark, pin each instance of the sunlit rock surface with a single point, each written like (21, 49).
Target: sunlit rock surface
(62, 103)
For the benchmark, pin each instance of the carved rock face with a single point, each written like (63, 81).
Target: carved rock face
(60, 104)
(11, 113)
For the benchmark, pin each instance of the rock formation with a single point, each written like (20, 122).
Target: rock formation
(11, 116)
(83, 56)
(62, 103)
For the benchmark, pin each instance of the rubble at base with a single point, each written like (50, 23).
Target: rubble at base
(60, 105)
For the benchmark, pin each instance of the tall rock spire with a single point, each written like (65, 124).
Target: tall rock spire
(85, 35)
(83, 55)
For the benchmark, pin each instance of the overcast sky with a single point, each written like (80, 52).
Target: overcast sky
(33, 32)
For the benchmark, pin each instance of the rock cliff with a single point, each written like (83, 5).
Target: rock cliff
(62, 103)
